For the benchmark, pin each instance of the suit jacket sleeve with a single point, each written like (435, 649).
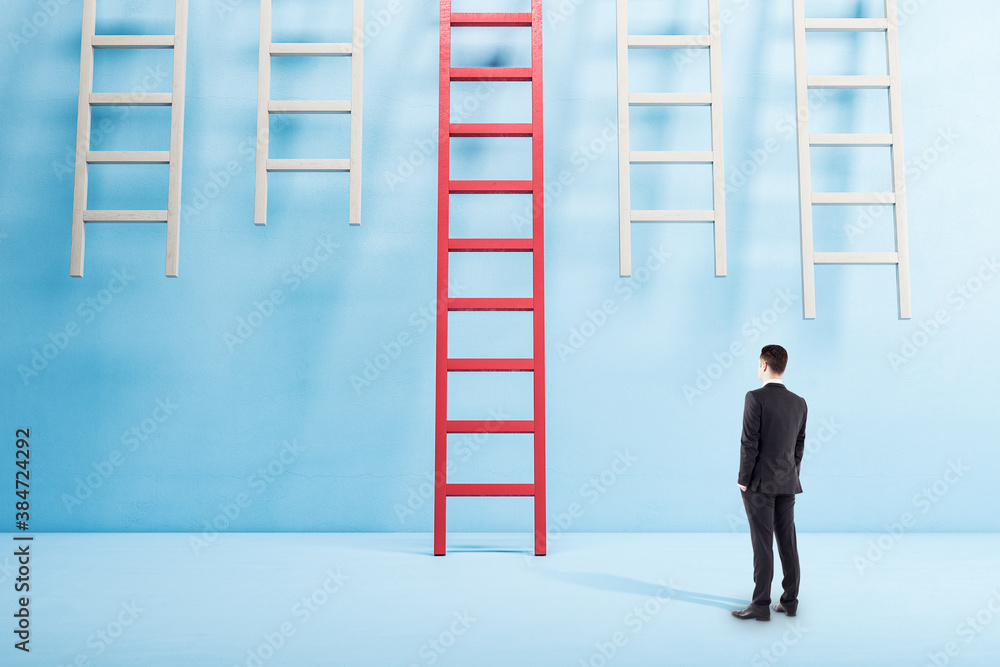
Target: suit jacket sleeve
(800, 441)
(750, 438)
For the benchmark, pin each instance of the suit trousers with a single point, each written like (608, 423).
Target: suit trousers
(773, 515)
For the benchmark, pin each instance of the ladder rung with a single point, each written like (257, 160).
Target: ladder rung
(491, 20)
(850, 140)
(474, 304)
(308, 165)
(670, 99)
(312, 106)
(128, 157)
(848, 81)
(847, 25)
(853, 198)
(664, 157)
(491, 74)
(310, 49)
(132, 41)
(491, 129)
(489, 426)
(489, 489)
(485, 365)
(673, 216)
(669, 41)
(490, 187)
(856, 258)
(491, 245)
(130, 99)
(125, 216)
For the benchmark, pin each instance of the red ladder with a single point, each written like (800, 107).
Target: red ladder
(447, 245)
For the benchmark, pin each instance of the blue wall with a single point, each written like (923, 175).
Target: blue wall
(151, 418)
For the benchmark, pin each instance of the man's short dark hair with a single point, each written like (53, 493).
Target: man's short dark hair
(776, 358)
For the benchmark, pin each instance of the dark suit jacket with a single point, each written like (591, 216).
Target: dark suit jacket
(774, 434)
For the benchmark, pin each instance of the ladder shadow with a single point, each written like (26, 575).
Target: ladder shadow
(475, 548)
(462, 547)
(619, 584)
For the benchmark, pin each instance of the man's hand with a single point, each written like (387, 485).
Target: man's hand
(742, 488)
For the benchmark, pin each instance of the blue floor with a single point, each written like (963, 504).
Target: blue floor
(595, 600)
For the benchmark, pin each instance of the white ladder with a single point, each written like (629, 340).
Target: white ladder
(894, 140)
(626, 156)
(266, 106)
(85, 156)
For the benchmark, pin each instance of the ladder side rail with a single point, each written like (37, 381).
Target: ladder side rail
(624, 183)
(176, 138)
(83, 121)
(538, 276)
(443, 234)
(263, 115)
(718, 148)
(805, 176)
(357, 88)
(898, 162)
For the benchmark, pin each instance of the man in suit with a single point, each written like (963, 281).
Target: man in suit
(774, 433)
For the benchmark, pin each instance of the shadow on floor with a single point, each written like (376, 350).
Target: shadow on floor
(613, 582)
(481, 548)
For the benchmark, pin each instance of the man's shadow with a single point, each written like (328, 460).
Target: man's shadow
(664, 591)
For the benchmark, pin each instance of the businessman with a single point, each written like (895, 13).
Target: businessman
(774, 433)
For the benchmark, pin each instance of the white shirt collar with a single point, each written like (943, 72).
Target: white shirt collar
(778, 380)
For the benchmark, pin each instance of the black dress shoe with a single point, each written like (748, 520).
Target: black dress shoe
(781, 609)
(750, 612)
